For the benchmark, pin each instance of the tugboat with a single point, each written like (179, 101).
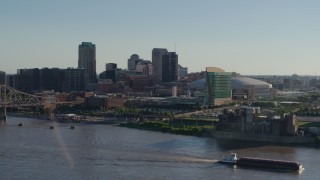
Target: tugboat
(261, 163)
(231, 159)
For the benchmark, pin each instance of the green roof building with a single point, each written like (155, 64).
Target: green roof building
(219, 86)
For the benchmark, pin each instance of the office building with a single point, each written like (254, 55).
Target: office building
(111, 66)
(2, 77)
(87, 60)
(104, 102)
(157, 64)
(28, 80)
(144, 67)
(75, 79)
(133, 61)
(219, 86)
(50, 79)
(12, 80)
(111, 71)
(120, 75)
(138, 82)
(169, 67)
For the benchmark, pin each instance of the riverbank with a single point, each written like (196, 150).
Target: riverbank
(187, 127)
(206, 131)
(169, 128)
(263, 138)
(33, 116)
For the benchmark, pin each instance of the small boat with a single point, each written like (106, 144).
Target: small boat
(51, 127)
(20, 124)
(72, 127)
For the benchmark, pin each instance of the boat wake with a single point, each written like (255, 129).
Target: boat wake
(196, 160)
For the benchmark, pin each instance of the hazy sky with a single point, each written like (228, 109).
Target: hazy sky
(246, 36)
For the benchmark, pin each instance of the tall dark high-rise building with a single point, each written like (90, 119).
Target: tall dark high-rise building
(2, 77)
(157, 64)
(87, 60)
(169, 67)
(111, 66)
(12, 80)
(111, 71)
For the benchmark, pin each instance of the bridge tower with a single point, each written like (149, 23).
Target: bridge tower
(4, 102)
(4, 117)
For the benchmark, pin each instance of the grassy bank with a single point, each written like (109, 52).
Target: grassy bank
(170, 128)
(308, 124)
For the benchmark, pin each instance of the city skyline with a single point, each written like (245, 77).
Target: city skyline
(249, 37)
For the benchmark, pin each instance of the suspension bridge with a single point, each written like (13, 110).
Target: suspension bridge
(10, 97)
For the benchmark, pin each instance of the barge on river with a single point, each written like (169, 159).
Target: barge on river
(261, 163)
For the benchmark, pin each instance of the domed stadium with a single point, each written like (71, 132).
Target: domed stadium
(240, 83)
(198, 84)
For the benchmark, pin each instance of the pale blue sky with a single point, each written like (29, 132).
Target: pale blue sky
(246, 36)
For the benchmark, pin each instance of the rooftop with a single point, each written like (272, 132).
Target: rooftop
(87, 44)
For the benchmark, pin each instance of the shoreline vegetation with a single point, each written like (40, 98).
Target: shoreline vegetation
(169, 128)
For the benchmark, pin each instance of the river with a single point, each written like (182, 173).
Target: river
(34, 151)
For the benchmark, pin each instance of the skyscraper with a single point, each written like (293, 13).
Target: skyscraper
(219, 86)
(111, 71)
(111, 66)
(157, 64)
(2, 77)
(169, 67)
(87, 60)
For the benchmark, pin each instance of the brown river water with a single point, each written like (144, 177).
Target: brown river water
(34, 151)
